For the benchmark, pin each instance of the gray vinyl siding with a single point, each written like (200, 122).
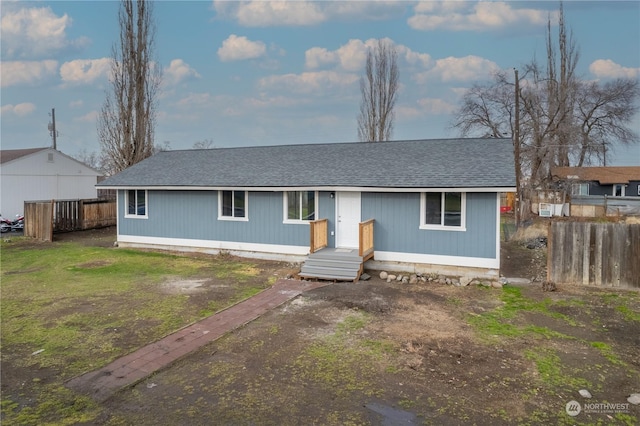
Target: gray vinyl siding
(397, 223)
(194, 215)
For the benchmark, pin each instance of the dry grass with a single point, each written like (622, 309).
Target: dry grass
(536, 230)
(632, 220)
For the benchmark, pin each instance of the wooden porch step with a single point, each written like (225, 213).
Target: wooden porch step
(333, 264)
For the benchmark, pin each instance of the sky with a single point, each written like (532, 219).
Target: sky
(248, 73)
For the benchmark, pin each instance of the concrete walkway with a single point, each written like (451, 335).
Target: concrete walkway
(106, 381)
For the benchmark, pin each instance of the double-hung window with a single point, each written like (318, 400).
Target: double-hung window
(299, 206)
(580, 189)
(232, 205)
(443, 210)
(136, 203)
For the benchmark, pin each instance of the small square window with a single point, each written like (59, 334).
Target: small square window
(442, 210)
(232, 205)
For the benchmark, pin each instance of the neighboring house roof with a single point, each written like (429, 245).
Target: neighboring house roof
(438, 163)
(603, 175)
(7, 155)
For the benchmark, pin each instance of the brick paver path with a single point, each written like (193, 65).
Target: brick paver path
(106, 381)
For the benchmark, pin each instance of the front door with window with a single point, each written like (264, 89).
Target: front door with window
(348, 210)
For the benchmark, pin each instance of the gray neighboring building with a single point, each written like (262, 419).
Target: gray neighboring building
(435, 203)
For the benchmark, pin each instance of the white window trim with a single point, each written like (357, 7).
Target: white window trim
(285, 210)
(233, 218)
(463, 214)
(146, 205)
(623, 189)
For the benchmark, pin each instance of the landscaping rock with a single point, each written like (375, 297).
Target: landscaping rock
(399, 278)
(391, 278)
(413, 279)
(465, 281)
(634, 398)
(405, 280)
(584, 393)
(496, 284)
(383, 275)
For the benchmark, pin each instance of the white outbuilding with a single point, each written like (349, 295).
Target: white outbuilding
(42, 174)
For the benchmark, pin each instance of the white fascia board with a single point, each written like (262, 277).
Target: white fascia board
(311, 188)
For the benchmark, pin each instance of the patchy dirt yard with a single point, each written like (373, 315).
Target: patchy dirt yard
(391, 353)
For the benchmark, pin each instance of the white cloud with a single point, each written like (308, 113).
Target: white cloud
(78, 103)
(606, 68)
(236, 48)
(350, 56)
(436, 106)
(468, 68)
(85, 71)
(196, 99)
(20, 110)
(275, 101)
(178, 71)
(476, 16)
(269, 13)
(261, 13)
(353, 55)
(35, 32)
(90, 117)
(316, 57)
(26, 72)
(308, 82)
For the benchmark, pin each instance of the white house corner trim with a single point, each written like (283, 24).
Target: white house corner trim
(216, 245)
(434, 259)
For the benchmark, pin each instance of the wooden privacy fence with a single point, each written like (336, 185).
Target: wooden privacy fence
(67, 215)
(600, 254)
(38, 220)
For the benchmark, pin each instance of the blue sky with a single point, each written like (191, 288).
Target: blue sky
(269, 73)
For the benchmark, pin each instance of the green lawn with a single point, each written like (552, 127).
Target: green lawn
(68, 308)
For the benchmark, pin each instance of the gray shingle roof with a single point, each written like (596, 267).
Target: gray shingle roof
(437, 163)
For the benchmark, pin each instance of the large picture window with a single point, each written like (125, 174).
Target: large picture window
(232, 205)
(136, 203)
(442, 210)
(300, 206)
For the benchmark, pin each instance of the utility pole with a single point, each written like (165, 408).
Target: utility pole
(52, 127)
(516, 149)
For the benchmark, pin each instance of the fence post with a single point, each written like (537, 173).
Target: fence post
(81, 214)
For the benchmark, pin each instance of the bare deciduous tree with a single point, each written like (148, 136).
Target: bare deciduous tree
(564, 120)
(379, 90)
(204, 144)
(92, 159)
(127, 120)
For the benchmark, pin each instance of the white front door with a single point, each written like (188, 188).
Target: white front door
(348, 217)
